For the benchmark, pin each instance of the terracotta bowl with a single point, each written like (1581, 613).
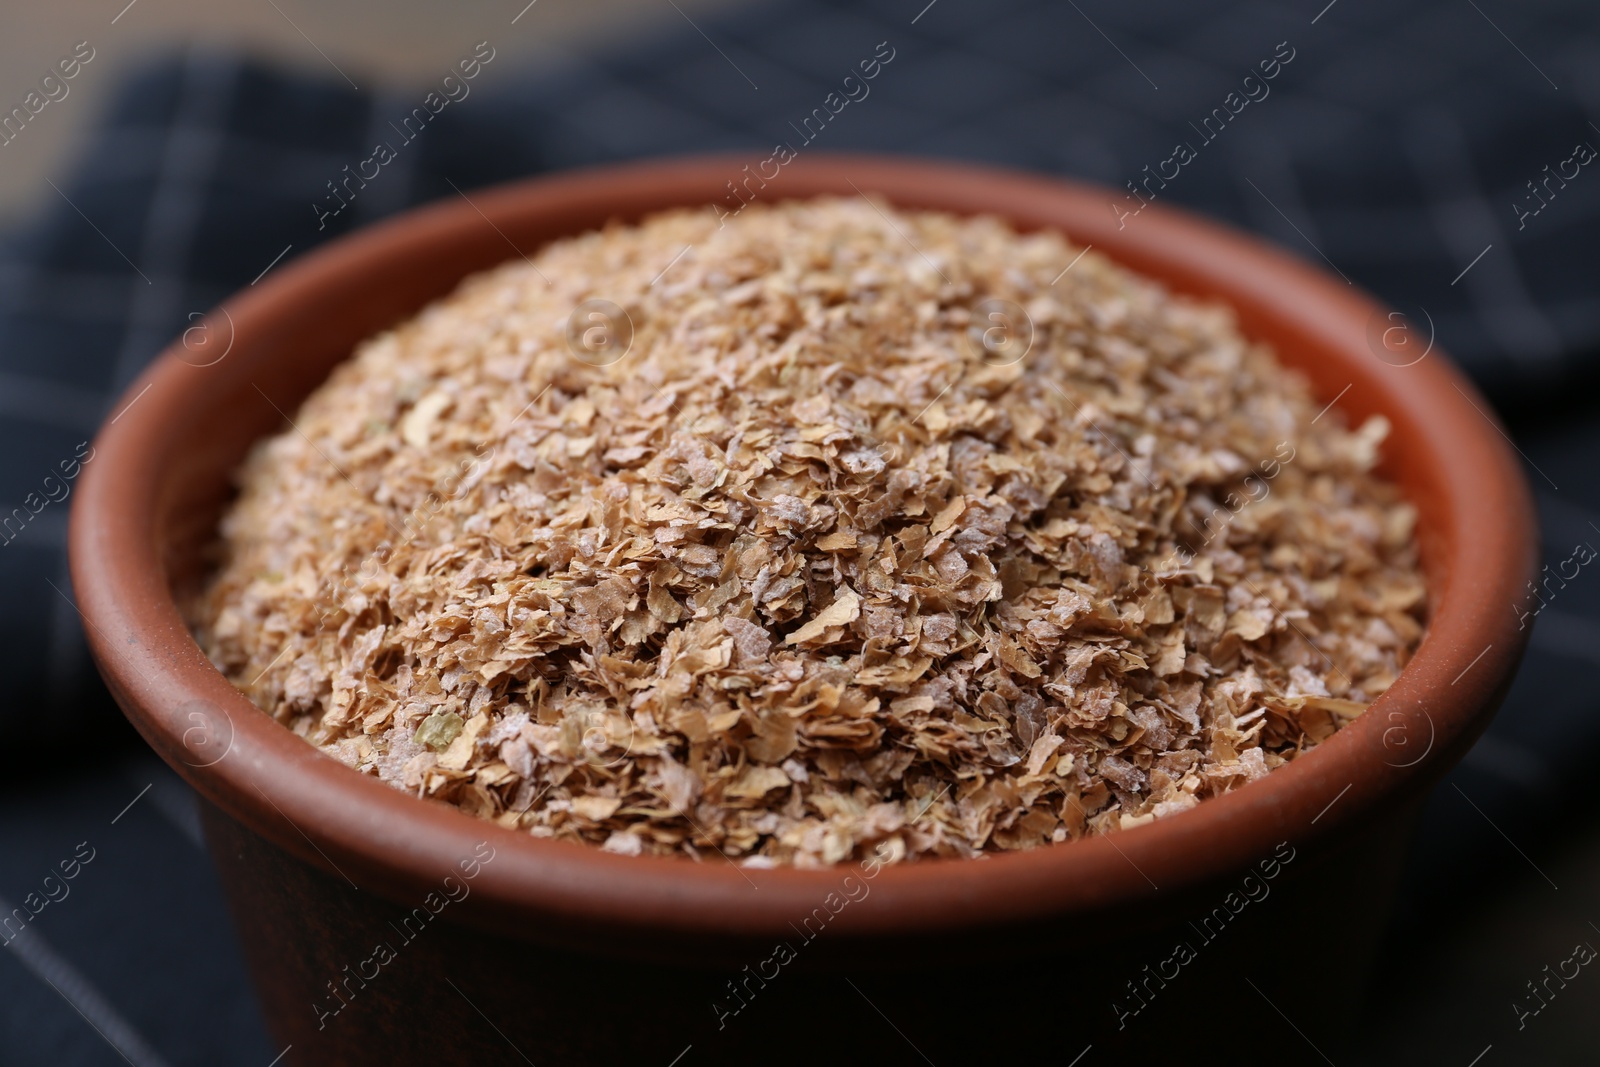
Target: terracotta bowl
(571, 955)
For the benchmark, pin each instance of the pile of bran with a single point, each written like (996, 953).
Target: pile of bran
(820, 568)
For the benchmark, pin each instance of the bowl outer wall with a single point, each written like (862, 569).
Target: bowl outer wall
(161, 466)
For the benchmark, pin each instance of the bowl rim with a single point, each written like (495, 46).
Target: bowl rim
(366, 832)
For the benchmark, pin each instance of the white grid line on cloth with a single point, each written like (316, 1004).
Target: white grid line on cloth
(19, 268)
(588, 121)
(581, 93)
(174, 211)
(1381, 237)
(1575, 316)
(45, 532)
(1587, 89)
(171, 219)
(1466, 223)
(172, 799)
(114, 157)
(254, 164)
(1566, 636)
(1572, 515)
(52, 968)
(391, 189)
(39, 400)
(1264, 159)
(65, 654)
(73, 296)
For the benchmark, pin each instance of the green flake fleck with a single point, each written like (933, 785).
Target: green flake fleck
(439, 729)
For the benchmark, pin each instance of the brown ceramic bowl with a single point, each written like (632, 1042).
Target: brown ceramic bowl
(571, 955)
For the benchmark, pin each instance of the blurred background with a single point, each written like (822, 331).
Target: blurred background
(159, 154)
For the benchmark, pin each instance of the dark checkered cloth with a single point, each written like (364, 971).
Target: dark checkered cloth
(1428, 151)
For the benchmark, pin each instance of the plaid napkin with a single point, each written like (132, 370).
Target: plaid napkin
(1436, 152)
